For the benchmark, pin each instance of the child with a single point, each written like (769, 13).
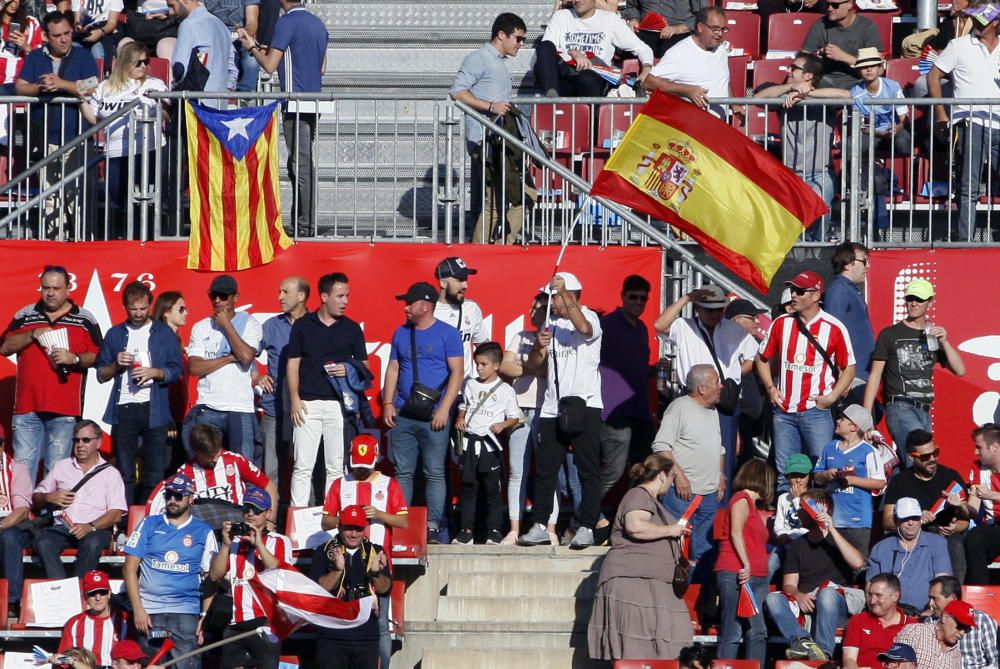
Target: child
(787, 525)
(850, 469)
(487, 408)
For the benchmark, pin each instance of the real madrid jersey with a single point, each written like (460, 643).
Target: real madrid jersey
(467, 318)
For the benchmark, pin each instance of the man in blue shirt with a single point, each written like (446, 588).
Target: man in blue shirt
(174, 550)
(240, 16)
(844, 300)
(203, 57)
(435, 349)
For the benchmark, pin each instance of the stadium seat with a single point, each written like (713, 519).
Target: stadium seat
(986, 598)
(613, 120)
(883, 21)
(284, 660)
(738, 75)
(160, 68)
(27, 618)
(787, 31)
(135, 514)
(646, 664)
(904, 71)
(760, 121)
(397, 610)
(3, 603)
(744, 33)
(564, 129)
(409, 545)
(735, 664)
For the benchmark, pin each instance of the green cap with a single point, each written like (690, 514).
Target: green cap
(921, 288)
(798, 464)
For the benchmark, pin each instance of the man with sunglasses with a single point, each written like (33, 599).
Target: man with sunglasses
(240, 557)
(100, 626)
(904, 359)
(837, 38)
(84, 512)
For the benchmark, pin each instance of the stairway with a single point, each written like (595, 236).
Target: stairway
(501, 607)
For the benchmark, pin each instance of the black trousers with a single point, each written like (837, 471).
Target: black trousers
(551, 73)
(550, 457)
(982, 546)
(332, 654)
(133, 427)
(252, 651)
(486, 472)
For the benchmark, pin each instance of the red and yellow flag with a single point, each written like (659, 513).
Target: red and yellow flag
(688, 168)
(235, 194)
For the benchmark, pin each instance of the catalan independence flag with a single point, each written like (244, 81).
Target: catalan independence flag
(688, 168)
(235, 194)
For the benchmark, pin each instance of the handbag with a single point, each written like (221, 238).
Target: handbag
(729, 399)
(570, 410)
(840, 404)
(682, 566)
(420, 403)
(458, 436)
(145, 30)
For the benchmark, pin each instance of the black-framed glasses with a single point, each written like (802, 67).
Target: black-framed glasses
(801, 291)
(182, 309)
(717, 30)
(797, 67)
(84, 440)
(518, 38)
(924, 457)
(863, 261)
(172, 494)
(914, 298)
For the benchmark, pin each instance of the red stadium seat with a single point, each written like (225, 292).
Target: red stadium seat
(904, 71)
(744, 33)
(612, 122)
(883, 21)
(409, 545)
(735, 664)
(160, 68)
(646, 664)
(738, 75)
(3, 604)
(397, 610)
(787, 31)
(761, 123)
(564, 129)
(135, 514)
(986, 598)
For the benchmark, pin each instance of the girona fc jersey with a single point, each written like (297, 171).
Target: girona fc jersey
(381, 491)
(95, 634)
(244, 564)
(228, 480)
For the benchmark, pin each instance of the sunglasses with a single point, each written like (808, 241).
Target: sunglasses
(142, 61)
(182, 309)
(218, 296)
(801, 291)
(924, 457)
(517, 38)
(834, 5)
(85, 440)
(98, 593)
(863, 261)
(252, 510)
(170, 494)
(914, 298)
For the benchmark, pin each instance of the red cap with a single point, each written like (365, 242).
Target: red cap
(807, 280)
(364, 451)
(353, 516)
(95, 580)
(961, 612)
(127, 650)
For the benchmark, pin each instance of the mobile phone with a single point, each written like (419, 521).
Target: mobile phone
(10, 46)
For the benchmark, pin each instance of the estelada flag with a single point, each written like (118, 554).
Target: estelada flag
(686, 167)
(235, 193)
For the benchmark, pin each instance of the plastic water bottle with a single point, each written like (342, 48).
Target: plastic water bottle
(932, 341)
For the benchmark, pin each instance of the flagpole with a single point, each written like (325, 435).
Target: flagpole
(243, 635)
(562, 251)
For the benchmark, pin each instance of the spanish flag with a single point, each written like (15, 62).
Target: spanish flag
(688, 168)
(235, 194)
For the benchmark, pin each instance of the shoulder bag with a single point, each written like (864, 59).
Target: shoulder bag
(729, 400)
(571, 410)
(422, 399)
(838, 406)
(46, 517)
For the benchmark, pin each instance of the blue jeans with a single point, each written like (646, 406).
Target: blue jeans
(384, 637)
(55, 539)
(183, 629)
(731, 628)
(249, 70)
(38, 432)
(802, 432)
(240, 431)
(903, 418)
(830, 613)
(978, 145)
(569, 483)
(14, 541)
(409, 440)
(701, 523)
(823, 185)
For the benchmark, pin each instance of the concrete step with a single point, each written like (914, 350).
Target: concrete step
(464, 559)
(527, 584)
(518, 610)
(493, 658)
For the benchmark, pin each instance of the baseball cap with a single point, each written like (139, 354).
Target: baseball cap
(354, 516)
(419, 291)
(907, 507)
(224, 284)
(257, 498)
(743, 307)
(921, 288)
(807, 280)
(95, 580)
(961, 612)
(860, 416)
(899, 652)
(717, 300)
(180, 483)
(127, 650)
(364, 451)
(572, 283)
(453, 267)
(798, 464)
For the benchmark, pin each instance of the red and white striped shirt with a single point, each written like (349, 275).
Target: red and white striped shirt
(381, 491)
(804, 372)
(95, 634)
(15, 485)
(228, 481)
(243, 559)
(10, 64)
(986, 479)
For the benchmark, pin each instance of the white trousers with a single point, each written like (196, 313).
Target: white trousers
(324, 419)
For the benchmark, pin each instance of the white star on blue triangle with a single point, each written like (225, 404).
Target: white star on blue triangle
(236, 129)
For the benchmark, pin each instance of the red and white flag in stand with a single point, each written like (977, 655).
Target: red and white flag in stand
(291, 599)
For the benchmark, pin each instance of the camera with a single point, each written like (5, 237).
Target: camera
(239, 530)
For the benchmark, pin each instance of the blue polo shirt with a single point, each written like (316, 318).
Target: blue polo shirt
(304, 35)
(914, 569)
(76, 65)
(173, 559)
(843, 300)
(434, 346)
(275, 338)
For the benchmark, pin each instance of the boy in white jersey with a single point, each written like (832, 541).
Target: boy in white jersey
(487, 408)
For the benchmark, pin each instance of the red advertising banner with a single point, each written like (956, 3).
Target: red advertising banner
(507, 280)
(962, 305)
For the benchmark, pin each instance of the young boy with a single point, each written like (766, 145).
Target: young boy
(487, 408)
(787, 525)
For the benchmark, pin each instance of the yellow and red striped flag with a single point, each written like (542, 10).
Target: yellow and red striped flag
(235, 194)
(686, 167)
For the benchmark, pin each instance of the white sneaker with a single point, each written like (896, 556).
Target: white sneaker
(583, 538)
(536, 536)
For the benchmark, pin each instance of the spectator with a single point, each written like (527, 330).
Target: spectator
(171, 310)
(60, 70)
(571, 412)
(127, 654)
(49, 378)
(936, 645)
(151, 25)
(438, 370)
(529, 383)
(968, 61)
(689, 436)
(816, 368)
(755, 409)
(627, 430)
(678, 15)
(454, 309)
(837, 38)
(129, 81)
(77, 658)
(709, 339)
(818, 572)
(695, 656)
(16, 43)
(906, 353)
(979, 644)
(100, 627)
(844, 301)
(276, 423)
(899, 656)
(302, 36)
(925, 482)
(575, 40)
(850, 469)
(484, 83)
(240, 558)
(982, 545)
(240, 18)
(203, 57)
(174, 550)
(139, 405)
(95, 23)
(327, 359)
(787, 523)
(868, 641)
(743, 559)
(636, 612)
(914, 557)
(221, 354)
(697, 68)
(351, 567)
(15, 504)
(86, 498)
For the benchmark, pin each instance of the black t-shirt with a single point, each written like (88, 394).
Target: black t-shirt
(816, 562)
(317, 344)
(355, 587)
(906, 484)
(908, 363)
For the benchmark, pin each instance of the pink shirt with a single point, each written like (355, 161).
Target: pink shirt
(103, 493)
(15, 485)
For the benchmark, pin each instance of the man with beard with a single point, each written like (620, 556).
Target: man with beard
(174, 550)
(982, 545)
(454, 309)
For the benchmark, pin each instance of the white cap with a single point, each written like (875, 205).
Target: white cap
(907, 507)
(572, 283)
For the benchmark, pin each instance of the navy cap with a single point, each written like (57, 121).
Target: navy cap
(180, 483)
(453, 267)
(899, 652)
(224, 284)
(257, 498)
(420, 291)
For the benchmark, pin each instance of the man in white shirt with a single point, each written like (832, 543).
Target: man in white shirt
(697, 68)
(458, 311)
(577, 39)
(221, 354)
